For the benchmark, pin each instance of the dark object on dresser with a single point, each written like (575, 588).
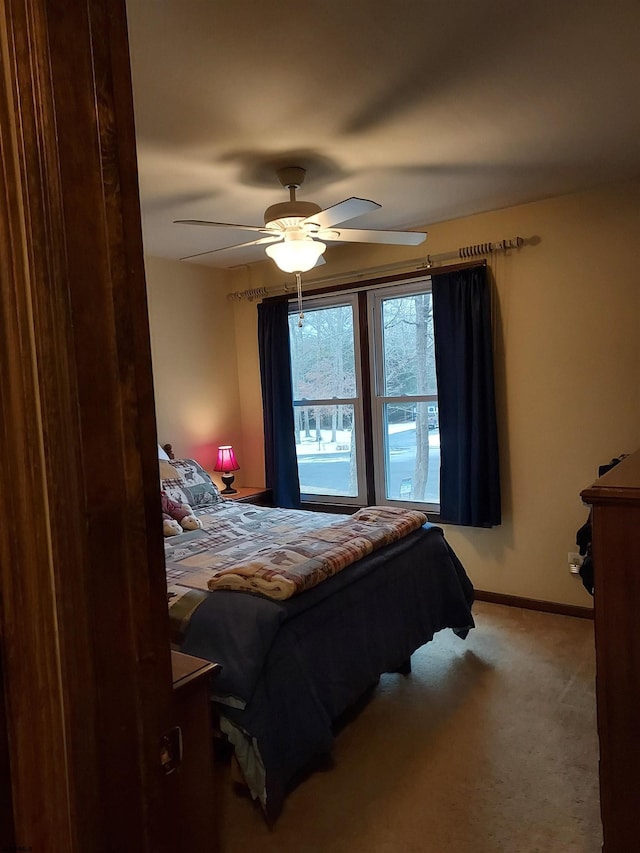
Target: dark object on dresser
(583, 538)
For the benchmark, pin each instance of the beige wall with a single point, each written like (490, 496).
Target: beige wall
(567, 370)
(193, 347)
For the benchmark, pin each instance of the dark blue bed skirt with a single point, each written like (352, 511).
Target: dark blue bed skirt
(289, 669)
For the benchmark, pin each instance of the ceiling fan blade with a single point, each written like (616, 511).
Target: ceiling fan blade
(354, 235)
(340, 212)
(260, 229)
(271, 239)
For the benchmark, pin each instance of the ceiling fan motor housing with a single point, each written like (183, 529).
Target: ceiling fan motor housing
(286, 210)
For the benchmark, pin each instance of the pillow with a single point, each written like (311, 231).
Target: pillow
(167, 471)
(196, 484)
(162, 454)
(171, 483)
(173, 489)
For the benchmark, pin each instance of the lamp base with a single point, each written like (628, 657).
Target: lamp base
(228, 479)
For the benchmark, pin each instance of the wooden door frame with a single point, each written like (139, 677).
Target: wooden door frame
(84, 653)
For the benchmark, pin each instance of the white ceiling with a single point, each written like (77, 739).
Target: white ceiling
(436, 109)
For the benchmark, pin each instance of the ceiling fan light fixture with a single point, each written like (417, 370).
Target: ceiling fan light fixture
(297, 254)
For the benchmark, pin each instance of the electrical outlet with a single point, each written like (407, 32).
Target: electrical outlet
(575, 561)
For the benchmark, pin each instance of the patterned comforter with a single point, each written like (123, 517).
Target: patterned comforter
(275, 552)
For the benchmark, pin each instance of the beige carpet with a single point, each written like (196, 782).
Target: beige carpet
(489, 745)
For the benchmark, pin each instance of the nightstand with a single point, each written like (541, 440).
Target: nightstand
(251, 495)
(195, 784)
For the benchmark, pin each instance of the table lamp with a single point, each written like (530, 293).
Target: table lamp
(227, 462)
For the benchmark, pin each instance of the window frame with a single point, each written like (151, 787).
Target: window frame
(371, 476)
(338, 300)
(378, 400)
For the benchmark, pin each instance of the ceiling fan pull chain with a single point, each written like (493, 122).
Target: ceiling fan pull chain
(299, 287)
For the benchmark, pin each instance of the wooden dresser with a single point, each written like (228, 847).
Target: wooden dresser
(615, 499)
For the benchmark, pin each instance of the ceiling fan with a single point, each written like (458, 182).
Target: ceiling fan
(294, 232)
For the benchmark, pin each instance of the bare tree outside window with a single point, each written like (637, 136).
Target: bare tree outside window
(409, 373)
(323, 372)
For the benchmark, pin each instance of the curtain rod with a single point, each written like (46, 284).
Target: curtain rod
(463, 253)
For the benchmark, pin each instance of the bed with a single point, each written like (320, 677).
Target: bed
(292, 665)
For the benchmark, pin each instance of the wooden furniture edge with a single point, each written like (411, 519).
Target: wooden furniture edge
(247, 492)
(615, 519)
(618, 485)
(609, 495)
(186, 669)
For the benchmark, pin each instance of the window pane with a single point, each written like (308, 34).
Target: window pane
(322, 354)
(408, 348)
(412, 452)
(325, 447)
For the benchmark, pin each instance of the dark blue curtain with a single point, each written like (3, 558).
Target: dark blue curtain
(469, 468)
(277, 402)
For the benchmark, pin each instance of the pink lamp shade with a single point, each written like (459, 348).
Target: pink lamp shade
(227, 462)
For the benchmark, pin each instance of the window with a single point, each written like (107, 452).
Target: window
(404, 398)
(327, 404)
(332, 364)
